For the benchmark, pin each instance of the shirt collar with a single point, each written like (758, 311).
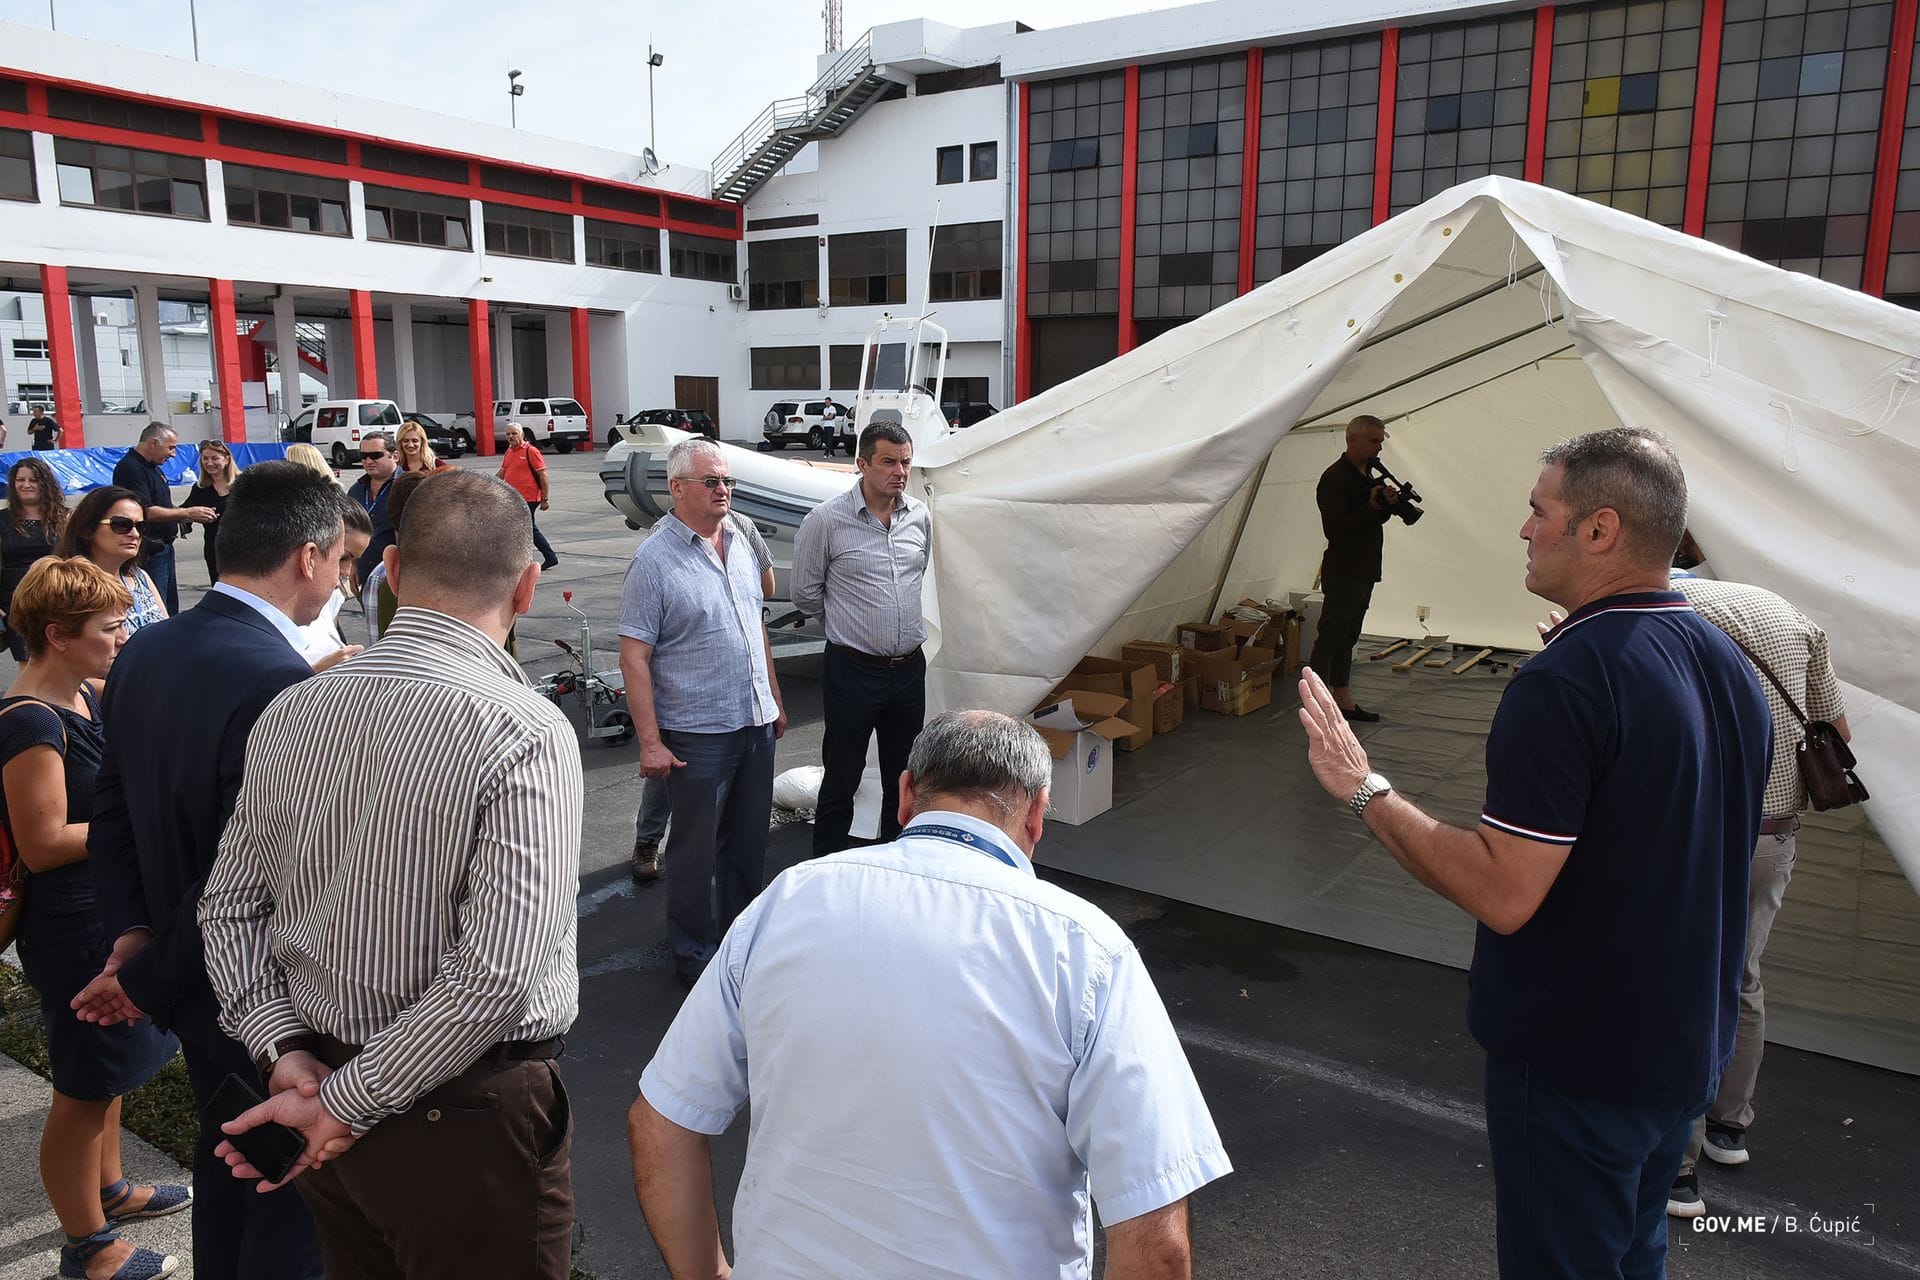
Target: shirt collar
(976, 826)
(266, 609)
(446, 630)
(1632, 601)
(857, 500)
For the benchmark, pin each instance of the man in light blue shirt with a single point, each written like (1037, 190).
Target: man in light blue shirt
(947, 1059)
(705, 703)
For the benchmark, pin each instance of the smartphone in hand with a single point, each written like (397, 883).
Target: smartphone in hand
(271, 1148)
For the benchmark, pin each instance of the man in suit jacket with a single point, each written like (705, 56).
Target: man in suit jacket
(179, 705)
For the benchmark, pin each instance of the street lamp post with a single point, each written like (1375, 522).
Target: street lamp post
(653, 134)
(514, 90)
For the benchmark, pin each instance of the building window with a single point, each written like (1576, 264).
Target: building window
(1460, 108)
(983, 162)
(1319, 115)
(417, 164)
(1187, 212)
(1072, 221)
(643, 203)
(35, 392)
(13, 96)
(131, 180)
(1903, 258)
(282, 141)
(525, 182)
(622, 246)
(119, 113)
(783, 274)
(783, 222)
(786, 368)
(16, 166)
(949, 165)
(414, 217)
(703, 258)
(30, 349)
(1620, 104)
(1795, 136)
(529, 233)
(707, 215)
(867, 268)
(843, 366)
(966, 262)
(288, 201)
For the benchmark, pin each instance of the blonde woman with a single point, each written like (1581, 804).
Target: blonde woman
(312, 459)
(416, 452)
(217, 473)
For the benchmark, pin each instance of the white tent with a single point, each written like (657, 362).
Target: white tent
(1482, 325)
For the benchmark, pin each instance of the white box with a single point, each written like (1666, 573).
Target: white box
(1080, 730)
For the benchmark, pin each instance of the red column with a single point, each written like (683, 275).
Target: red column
(1250, 168)
(1893, 125)
(366, 361)
(1706, 99)
(1383, 128)
(480, 355)
(226, 361)
(1129, 215)
(1537, 102)
(1022, 322)
(583, 369)
(58, 304)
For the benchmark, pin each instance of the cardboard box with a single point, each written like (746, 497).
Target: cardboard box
(1190, 693)
(1237, 684)
(1169, 707)
(1134, 682)
(1205, 636)
(1163, 654)
(1080, 731)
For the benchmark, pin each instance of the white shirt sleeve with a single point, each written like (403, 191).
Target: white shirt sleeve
(698, 1076)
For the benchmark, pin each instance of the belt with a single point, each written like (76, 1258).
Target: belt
(1779, 826)
(874, 659)
(337, 1053)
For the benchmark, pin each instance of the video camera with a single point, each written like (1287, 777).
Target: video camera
(1406, 505)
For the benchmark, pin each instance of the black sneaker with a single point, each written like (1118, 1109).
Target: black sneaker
(1684, 1200)
(1360, 715)
(644, 865)
(1725, 1143)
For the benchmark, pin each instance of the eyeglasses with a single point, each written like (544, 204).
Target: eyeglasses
(369, 457)
(125, 524)
(714, 482)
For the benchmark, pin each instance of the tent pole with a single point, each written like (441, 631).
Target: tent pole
(1239, 530)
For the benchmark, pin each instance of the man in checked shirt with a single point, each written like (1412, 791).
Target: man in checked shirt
(858, 561)
(422, 953)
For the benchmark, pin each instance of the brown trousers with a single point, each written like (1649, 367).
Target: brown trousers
(475, 1179)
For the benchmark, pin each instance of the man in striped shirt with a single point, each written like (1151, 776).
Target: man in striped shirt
(420, 948)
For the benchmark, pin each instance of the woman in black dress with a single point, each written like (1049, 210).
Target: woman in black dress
(216, 477)
(72, 614)
(36, 514)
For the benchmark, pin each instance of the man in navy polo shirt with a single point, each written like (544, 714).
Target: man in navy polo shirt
(1625, 769)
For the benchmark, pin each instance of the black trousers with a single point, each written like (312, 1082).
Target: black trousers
(238, 1234)
(540, 542)
(1344, 609)
(863, 698)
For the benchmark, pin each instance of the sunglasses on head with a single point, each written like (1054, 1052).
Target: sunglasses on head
(125, 524)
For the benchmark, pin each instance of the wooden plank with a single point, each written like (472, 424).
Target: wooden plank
(1433, 642)
(1439, 662)
(1392, 648)
(1477, 658)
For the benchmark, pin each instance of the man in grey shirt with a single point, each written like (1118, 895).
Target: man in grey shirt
(858, 561)
(706, 705)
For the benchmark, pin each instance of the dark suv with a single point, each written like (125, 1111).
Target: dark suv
(697, 421)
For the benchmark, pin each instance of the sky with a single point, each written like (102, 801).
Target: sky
(583, 61)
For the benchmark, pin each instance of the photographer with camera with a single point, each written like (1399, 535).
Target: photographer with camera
(1354, 504)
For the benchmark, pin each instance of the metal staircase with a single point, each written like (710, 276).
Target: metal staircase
(777, 133)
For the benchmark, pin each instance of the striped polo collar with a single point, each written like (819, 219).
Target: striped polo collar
(1630, 602)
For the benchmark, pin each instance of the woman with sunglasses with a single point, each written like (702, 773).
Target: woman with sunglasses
(109, 528)
(522, 467)
(416, 452)
(35, 516)
(217, 473)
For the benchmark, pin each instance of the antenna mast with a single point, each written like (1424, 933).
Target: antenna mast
(832, 14)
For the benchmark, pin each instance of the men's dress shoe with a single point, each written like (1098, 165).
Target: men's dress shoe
(1361, 715)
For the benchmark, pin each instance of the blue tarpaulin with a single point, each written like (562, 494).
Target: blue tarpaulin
(80, 470)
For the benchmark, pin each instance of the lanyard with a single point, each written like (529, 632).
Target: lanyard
(954, 835)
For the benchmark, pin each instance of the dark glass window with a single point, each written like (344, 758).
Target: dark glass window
(623, 246)
(282, 141)
(702, 257)
(949, 165)
(867, 268)
(16, 166)
(709, 215)
(414, 217)
(528, 233)
(843, 366)
(1620, 104)
(782, 223)
(130, 180)
(644, 203)
(13, 96)
(983, 162)
(121, 113)
(419, 164)
(1072, 221)
(1187, 206)
(287, 201)
(783, 274)
(1796, 133)
(786, 368)
(966, 262)
(1319, 115)
(525, 182)
(1460, 107)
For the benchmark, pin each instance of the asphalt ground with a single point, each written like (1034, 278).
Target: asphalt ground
(1342, 1079)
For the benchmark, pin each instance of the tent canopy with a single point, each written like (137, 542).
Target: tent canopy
(1482, 326)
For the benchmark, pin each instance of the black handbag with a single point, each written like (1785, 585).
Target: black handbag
(1826, 762)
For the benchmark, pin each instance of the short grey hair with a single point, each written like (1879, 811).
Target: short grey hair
(513, 424)
(1636, 473)
(981, 756)
(154, 430)
(1362, 423)
(680, 457)
(468, 537)
(384, 437)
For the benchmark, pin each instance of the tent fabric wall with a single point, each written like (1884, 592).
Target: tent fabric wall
(1482, 324)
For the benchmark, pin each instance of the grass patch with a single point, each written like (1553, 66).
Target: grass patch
(160, 1111)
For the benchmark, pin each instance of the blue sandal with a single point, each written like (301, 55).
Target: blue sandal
(167, 1198)
(141, 1264)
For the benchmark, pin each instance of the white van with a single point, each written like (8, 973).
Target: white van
(558, 424)
(335, 426)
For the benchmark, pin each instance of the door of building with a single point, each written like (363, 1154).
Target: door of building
(698, 393)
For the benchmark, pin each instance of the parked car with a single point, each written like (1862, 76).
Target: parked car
(558, 423)
(697, 421)
(335, 426)
(804, 422)
(965, 413)
(705, 423)
(446, 441)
